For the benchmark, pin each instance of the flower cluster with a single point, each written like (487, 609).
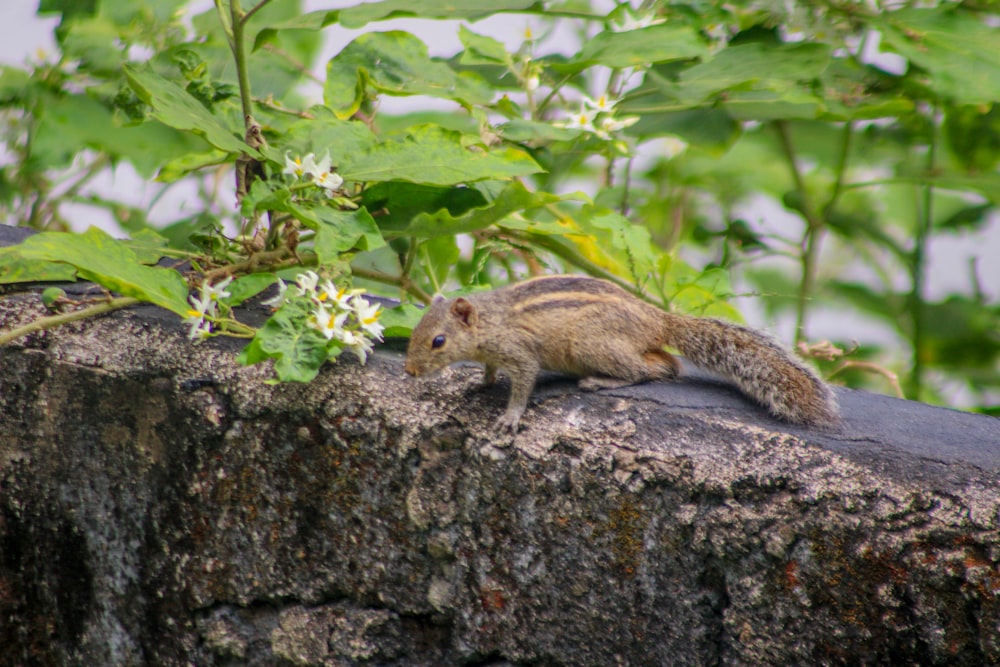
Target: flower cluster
(344, 317)
(319, 172)
(205, 308)
(597, 117)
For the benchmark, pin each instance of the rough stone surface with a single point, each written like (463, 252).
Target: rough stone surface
(161, 505)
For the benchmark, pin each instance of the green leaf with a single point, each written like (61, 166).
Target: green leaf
(972, 217)
(469, 10)
(271, 196)
(961, 332)
(16, 269)
(99, 258)
(68, 8)
(13, 84)
(147, 245)
(94, 41)
(247, 287)
(637, 48)
(482, 50)
(529, 131)
(298, 350)
(312, 21)
(439, 257)
(399, 321)
(398, 202)
(973, 134)
(763, 105)
(854, 91)
(341, 231)
(701, 293)
(325, 132)
(633, 243)
(714, 129)
(395, 63)
(199, 158)
(957, 49)
(512, 199)
(70, 124)
(175, 107)
(435, 156)
(752, 81)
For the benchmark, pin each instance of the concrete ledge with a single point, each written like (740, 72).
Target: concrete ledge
(160, 504)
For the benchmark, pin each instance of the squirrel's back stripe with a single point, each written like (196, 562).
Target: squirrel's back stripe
(554, 302)
(548, 285)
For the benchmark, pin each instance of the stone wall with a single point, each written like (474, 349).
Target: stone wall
(161, 505)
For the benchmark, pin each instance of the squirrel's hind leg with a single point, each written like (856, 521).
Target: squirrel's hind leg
(651, 365)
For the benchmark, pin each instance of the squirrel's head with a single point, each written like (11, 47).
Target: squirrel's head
(445, 334)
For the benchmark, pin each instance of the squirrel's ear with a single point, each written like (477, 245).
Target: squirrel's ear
(464, 312)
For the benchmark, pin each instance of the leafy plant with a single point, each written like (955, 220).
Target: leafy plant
(675, 114)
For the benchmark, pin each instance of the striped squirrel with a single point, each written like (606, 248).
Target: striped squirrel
(594, 330)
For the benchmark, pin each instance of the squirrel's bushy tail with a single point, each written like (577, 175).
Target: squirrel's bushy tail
(761, 368)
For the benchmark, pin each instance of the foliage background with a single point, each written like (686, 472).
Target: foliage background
(827, 149)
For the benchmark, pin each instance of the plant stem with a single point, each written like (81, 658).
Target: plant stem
(238, 26)
(256, 8)
(812, 237)
(53, 321)
(401, 281)
(918, 258)
(842, 158)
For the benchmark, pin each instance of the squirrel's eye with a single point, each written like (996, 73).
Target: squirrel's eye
(437, 342)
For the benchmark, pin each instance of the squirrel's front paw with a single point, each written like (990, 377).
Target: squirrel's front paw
(508, 421)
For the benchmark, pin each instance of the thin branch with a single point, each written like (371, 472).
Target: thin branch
(813, 236)
(873, 368)
(917, 301)
(842, 158)
(239, 55)
(256, 8)
(53, 321)
(388, 279)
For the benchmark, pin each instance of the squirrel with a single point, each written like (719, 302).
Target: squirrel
(596, 331)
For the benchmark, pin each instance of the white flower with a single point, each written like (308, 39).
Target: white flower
(601, 104)
(205, 307)
(331, 325)
(201, 306)
(328, 180)
(197, 316)
(300, 166)
(277, 300)
(200, 330)
(367, 316)
(718, 32)
(357, 344)
(216, 292)
(583, 120)
(321, 167)
(306, 283)
(341, 297)
(612, 125)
